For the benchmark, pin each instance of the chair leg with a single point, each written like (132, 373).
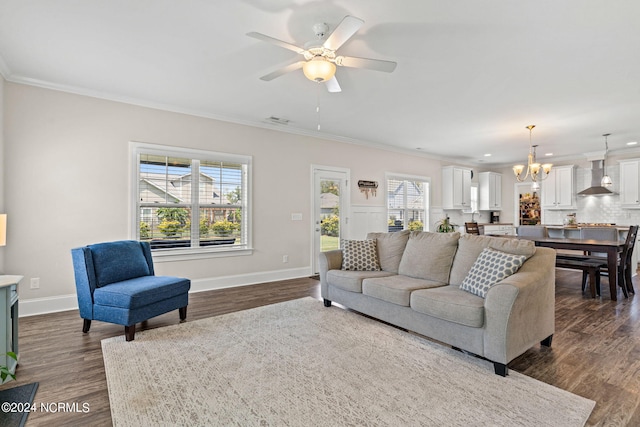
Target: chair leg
(584, 280)
(129, 332)
(183, 312)
(626, 273)
(592, 281)
(86, 325)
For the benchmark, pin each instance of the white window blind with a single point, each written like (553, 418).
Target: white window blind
(191, 199)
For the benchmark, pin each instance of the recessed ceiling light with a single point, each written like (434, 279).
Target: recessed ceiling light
(487, 155)
(632, 143)
(548, 154)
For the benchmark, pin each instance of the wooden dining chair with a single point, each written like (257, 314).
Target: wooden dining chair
(625, 263)
(471, 228)
(629, 268)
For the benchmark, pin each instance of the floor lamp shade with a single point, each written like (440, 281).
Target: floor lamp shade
(3, 229)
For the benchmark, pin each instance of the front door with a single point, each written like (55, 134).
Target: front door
(330, 201)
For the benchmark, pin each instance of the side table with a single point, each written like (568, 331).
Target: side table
(9, 319)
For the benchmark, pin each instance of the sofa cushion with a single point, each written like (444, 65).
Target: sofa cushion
(450, 303)
(396, 289)
(429, 255)
(390, 248)
(117, 261)
(359, 255)
(352, 280)
(470, 246)
(141, 291)
(490, 267)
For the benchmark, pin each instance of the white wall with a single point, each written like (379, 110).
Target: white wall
(67, 185)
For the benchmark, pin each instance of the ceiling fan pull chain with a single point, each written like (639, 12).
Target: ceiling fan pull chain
(318, 104)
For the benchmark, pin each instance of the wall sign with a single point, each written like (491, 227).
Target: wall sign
(367, 187)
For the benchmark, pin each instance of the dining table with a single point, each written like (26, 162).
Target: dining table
(612, 248)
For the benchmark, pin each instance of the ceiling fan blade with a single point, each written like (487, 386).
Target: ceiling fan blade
(370, 64)
(283, 70)
(343, 32)
(332, 85)
(277, 42)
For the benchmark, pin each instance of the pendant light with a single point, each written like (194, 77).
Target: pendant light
(606, 179)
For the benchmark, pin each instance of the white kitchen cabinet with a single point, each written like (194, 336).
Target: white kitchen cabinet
(490, 189)
(498, 230)
(456, 187)
(630, 183)
(558, 189)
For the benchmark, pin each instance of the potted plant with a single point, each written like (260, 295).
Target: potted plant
(445, 226)
(4, 370)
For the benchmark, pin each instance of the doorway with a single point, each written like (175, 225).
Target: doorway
(527, 205)
(330, 209)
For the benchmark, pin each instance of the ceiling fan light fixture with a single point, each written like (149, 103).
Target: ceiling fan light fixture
(319, 69)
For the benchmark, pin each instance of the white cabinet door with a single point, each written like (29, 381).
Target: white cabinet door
(630, 184)
(456, 187)
(490, 187)
(548, 196)
(558, 188)
(498, 191)
(564, 188)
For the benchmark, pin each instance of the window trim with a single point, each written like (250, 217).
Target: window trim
(408, 177)
(183, 254)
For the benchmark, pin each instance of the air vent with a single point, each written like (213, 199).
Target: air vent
(277, 120)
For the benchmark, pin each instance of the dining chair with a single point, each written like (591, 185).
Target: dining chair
(471, 228)
(625, 262)
(532, 231)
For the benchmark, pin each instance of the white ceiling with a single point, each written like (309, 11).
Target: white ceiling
(471, 74)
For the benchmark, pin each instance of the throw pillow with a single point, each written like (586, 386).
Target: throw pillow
(491, 267)
(390, 248)
(360, 255)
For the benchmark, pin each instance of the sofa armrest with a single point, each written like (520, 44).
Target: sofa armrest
(520, 310)
(329, 260)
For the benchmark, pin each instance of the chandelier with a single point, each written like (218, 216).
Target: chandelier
(535, 170)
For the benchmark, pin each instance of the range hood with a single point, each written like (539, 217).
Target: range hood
(596, 189)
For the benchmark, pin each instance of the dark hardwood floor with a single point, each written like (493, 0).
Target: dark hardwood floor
(595, 353)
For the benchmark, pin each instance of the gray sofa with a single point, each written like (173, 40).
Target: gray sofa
(418, 288)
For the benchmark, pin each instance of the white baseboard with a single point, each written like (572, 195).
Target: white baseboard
(36, 306)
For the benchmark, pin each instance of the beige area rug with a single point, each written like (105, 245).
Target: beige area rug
(300, 364)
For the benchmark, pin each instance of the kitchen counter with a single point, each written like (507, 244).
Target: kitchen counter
(581, 226)
(497, 229)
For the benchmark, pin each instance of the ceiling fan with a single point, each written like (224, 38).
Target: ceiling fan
(320, 57)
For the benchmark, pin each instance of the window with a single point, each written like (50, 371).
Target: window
(191, 201)
(407, 203)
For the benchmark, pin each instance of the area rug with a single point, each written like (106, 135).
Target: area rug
(16, 403)
(299, 363)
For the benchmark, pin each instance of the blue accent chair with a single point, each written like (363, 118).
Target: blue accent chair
(115, 283)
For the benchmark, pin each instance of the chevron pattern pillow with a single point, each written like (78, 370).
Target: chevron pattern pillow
(491, 267)
(360, 255)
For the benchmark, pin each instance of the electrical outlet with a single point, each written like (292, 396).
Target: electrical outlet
(35, 283)
(285, 258)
